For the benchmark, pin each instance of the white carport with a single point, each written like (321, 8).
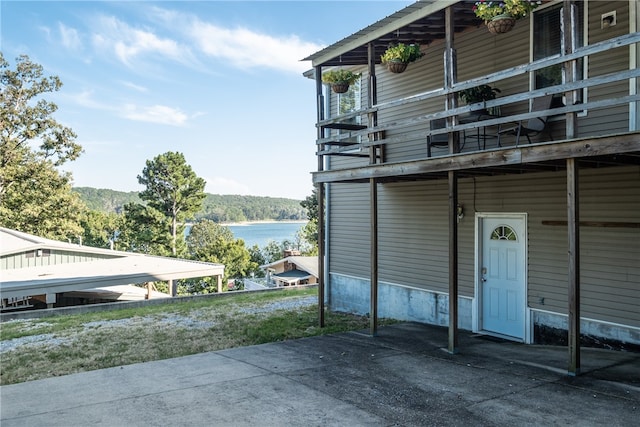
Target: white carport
(31, 265)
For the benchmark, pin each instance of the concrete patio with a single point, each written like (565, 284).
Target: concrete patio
(401, 377)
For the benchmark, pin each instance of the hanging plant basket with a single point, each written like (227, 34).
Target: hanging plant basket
(340, 87)
(501, 24)
(340, 79)
(398, 56)
(396, 67)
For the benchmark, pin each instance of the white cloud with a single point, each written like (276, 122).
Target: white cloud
(128, 43)
(247, 49)
(242, 47)
(155, 114)
(160, 114)
(69, 37)
(86, 99)
(222, 185)
(134, 86)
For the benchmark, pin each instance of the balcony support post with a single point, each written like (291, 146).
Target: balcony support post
(376, 153)
(450, 78)
(320, 194)
(573, 233)
(450, 73)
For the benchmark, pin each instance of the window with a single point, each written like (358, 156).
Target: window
(349, 102)
(547, 41)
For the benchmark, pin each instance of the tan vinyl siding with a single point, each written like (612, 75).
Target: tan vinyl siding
(613, 119)
(609, 256)
(480, 52)
(423, 75)
(413, 236)
(413, 233)
(349, 238)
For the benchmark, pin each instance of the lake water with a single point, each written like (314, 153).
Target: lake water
(261, 233)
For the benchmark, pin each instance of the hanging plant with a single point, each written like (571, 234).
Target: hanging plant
(397, 57)
(340, 79)
(500, 16)
(478, 94)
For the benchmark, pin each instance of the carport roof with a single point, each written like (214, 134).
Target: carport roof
(122, 269)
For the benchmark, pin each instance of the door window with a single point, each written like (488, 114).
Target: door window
(504, 232)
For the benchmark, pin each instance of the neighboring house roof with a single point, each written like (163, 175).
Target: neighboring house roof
(119, 268)
(292, 276)
(308, 264)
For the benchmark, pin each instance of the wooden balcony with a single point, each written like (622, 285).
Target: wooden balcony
(474, 147)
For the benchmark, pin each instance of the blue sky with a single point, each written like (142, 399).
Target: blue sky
(219, 81)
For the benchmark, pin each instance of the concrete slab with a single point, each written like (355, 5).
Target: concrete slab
(400, 377)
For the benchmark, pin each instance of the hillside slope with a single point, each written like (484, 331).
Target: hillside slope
(216, 207)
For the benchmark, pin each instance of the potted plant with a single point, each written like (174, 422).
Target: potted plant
(500, 16)
(340, 79)
(398, 56)
(478, 94)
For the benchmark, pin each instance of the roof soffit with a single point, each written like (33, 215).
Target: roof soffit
(421, 22)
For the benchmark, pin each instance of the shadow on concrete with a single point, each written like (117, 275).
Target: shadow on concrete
(400, 377)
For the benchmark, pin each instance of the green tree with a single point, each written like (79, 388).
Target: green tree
(211, 242)
(257, 259)
(310, 230)
(101, 229)
(173, 189)
(144, 230)
(273, 250)
(34, 196)
(105, 200)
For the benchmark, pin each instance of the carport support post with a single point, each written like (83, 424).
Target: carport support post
(50, 299)
(573, 223)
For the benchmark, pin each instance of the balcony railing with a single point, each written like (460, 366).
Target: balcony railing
(342, 143)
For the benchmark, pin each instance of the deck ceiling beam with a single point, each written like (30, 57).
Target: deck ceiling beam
(624, 146)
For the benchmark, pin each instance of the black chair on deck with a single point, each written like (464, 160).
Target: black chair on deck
(441, 140)
(533, 126)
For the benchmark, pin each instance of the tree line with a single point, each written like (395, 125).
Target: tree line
(37, 198)
(216, 207)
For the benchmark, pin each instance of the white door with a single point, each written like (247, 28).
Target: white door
(502, 281)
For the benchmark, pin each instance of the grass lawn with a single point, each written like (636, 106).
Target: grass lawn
(40, 348)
